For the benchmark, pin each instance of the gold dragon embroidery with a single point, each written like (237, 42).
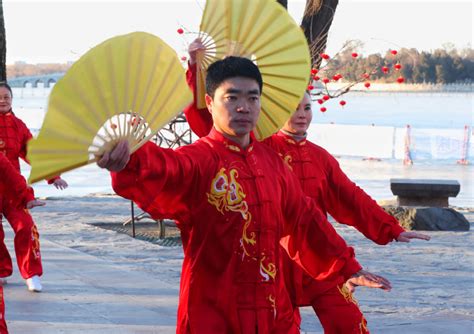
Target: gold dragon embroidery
(227, 195)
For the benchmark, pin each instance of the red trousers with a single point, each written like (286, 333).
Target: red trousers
(26, 242)
(3, 324)
(339, 312)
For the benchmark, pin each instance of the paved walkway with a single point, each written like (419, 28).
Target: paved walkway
(85, 294)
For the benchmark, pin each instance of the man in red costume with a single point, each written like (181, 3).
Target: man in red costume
(321, 179)
(234, 199)
(13, 189)
(14, 136)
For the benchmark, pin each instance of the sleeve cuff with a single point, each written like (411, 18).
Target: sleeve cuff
(51, 181)
(397, 230)
(351, 267)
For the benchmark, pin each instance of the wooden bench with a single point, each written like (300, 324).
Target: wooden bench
(424, 192)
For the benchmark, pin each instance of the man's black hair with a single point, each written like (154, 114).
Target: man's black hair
(228, 68)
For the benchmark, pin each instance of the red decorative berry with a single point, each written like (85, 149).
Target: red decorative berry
(398, 66)
(183, 58)
(320, 101)
(335, 77)
(385, 69)
(325, 56)
(314, 71)
(180, 31)
(133, 121)
(394, 52)
(316, 78)
(325, 80)
(354, 54)
(400, 79)
(342, 103)
(326, 97)
(367, 84)
(323, 109)
(310, 87)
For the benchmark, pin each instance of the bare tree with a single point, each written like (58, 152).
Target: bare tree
(317, 20)
(3, 46)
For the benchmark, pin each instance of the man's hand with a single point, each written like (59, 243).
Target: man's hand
(195, 47)
(116, 159)
(60, 184)
(34, 203)
(407, 236)
(364, 278)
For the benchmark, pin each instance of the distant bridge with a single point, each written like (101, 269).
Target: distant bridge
(45, 80)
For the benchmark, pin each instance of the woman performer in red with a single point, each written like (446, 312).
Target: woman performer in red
(14, 136)
(234, 200)
(13, 189)
(321, 179)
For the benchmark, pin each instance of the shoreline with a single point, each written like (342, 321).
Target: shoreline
(359, 87)
(406, 87)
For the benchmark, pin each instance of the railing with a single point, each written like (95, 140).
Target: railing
(408, 144)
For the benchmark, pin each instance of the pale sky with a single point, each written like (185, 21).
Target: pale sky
(40, 31)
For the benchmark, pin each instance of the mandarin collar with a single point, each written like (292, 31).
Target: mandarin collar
(290, 139)
(230, 144)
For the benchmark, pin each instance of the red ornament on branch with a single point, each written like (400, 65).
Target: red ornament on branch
(342, 103)
(367, 84)
(385, 69)
(326, 97)
(325, 56)
(398, 66)
(180, 31)
(354, 54)
(320, 101)
(323, 109)
(326, 80)
(400, 79)
(314, 71)
(316, 78)
(310, 87)
(394, 52)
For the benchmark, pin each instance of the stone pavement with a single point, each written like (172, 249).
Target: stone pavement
(85, 294)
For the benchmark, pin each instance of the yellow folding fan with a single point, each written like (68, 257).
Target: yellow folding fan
(127, 87)
(263, 31)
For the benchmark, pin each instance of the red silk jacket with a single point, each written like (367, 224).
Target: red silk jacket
(234, 206)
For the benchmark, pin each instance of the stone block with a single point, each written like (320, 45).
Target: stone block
(424, 192)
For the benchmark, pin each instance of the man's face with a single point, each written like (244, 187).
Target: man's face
(235, 106)
(5, 100)
(301, 119)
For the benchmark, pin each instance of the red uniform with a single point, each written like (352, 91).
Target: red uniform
(199, 120)
(13, 188)
(14, 136)
(234, 205)
(323, 180)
